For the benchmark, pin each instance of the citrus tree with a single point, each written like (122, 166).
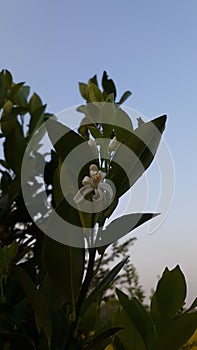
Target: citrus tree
(51, 293)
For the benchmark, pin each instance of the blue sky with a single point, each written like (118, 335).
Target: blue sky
(148, 47)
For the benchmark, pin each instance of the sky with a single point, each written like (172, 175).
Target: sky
(148, 47)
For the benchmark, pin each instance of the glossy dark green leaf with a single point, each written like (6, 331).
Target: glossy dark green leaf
(124, 97)
(177, 332)
(140, 317)
(103, 285)
(171, 293)
(123, 225)
(108, 85)
(36, 300)
(65, 267)
(142, 143)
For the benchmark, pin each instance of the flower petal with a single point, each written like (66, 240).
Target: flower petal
(98, 195)
(86, 180)
(82, 193)
(102, 174)
(105, 187)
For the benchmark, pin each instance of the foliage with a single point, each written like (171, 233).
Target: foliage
(127, 279)
(49, 298)
(166, 326)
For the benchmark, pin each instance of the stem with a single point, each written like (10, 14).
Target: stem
(87, 280)
(72, 293)
(84, 290)
(99, 263)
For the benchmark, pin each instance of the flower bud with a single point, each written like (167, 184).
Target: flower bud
(113, 145)
(93, 169)
(93, 147)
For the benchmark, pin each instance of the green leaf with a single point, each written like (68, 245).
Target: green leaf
(124, 97)
(140, 122)
(9, 118)
(142, 143)
(140, 317)
(117, 344)
(123, 225)
(155, 312)
(12, 251)
(94, 80)
(37, 118)
(108, 118)
(103, 285)
(83, 88)
(62, 138)
(6, 180)
(13, 90)
(5, 82)
(65, 267)
(123, 124)
(64, 141)
(36, 300)
(193, 305)
(108, 86)
(51, 294)
(34, 103)
(7, 107)
(177, 332)
(7, 256)
(14, 155)
(95, 94)
(22, 95)
(91, 111)
(170, 293)
(90, 318)
(128, 337)
(102, 336)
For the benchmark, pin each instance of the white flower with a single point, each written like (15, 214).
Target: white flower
(94, 183)
(113, 145)
(93, 147)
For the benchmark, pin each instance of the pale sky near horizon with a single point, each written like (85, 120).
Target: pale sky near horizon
(148, 47)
